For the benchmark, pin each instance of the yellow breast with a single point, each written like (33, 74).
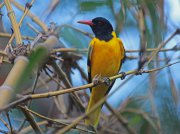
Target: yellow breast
(105, 57)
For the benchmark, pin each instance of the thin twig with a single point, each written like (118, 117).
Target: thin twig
(5, 124)
(32, 16)
(66, 81)
(31, 120)
(100, 102)
(161, 45)
(79, 30)
(28, 128)
(3, 132)
(10, 124)
(121, 119)
(7, 35)
(33, 28)
(30, 101)
(173, 88)
(73, 89)
(127, 51)
(52, 120)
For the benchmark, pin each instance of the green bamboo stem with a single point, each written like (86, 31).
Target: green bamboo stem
(14, 78)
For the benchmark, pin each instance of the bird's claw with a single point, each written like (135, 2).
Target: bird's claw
(123, 75)
(139, 72)
(98, 79)
(106, 80)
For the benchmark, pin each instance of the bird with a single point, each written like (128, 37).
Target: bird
(106, 54)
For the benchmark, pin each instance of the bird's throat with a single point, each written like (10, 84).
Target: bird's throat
(105, 37)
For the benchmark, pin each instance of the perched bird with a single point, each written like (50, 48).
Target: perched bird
(105, 56)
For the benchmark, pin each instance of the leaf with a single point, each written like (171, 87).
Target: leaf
(73, 38)
(36, 59)
(91, 5)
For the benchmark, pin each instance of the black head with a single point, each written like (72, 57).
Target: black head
(101, 27)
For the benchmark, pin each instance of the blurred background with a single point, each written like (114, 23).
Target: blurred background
(149, 102)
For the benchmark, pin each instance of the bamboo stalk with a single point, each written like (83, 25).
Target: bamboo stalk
(6, 90)
(73, 89)
(14, 79)
(32, 16)
(19, 24)
(13, 21)
(55, 93)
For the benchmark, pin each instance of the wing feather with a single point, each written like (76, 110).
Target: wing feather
(90, 49)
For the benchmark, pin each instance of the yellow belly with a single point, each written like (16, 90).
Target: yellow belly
(105, 58)
(105, 61)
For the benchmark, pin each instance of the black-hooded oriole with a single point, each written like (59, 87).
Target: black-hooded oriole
(105, 56)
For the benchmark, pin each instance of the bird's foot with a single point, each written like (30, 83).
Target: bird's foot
(123, 75)
(97, 79)
(106, 80)
(139, 72)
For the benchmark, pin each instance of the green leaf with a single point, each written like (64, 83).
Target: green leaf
(91, 5)
(36, 59)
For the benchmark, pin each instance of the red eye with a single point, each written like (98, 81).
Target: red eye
(100, 22)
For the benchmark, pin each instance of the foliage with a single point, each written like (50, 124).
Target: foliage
(56, 52)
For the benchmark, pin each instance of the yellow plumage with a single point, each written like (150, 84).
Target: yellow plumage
(104, 59)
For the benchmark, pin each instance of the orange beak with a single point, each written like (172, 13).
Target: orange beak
(86, 22)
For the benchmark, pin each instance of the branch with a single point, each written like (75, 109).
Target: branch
(52, 120)
(27, 129)
(32, 16)
(32, 122)
(7, 35)
(176, 48)
(154, 53)
(19, 24)
(5, 124)
(100, 102)
(73, 89)
(120, 118)
(23, 67)
(13, 22)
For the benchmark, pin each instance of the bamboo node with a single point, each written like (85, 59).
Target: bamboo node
(28, 5)
(21, 58)
(10, 12)
(20, 50)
